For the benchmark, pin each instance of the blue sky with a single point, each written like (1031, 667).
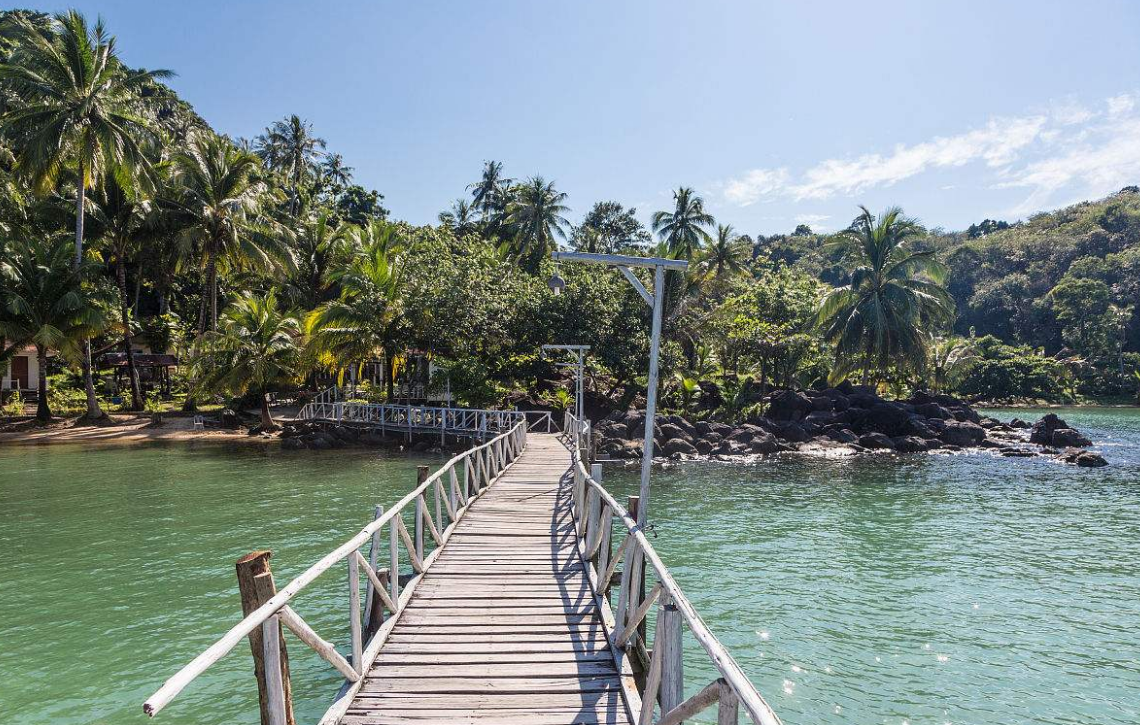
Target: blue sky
(778, 113)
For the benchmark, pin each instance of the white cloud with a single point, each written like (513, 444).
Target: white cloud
(1071, 148)
(815, 221)
(754, 185)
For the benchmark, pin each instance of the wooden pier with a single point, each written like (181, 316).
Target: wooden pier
(498, 608)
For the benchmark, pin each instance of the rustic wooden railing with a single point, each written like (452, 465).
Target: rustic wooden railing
(454, 486)
(597, 510)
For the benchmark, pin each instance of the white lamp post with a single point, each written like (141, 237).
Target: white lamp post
(656, 300)
(579, 389)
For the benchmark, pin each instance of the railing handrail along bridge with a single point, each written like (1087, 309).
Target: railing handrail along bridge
(481, 465)
(410, 418)
(597, 509)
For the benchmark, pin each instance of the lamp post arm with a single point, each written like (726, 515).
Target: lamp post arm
(637, 285)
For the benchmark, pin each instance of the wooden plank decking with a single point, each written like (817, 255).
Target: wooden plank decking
(504, 628)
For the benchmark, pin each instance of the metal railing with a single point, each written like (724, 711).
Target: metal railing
(411, 418)
(596, 512)
(467, 476)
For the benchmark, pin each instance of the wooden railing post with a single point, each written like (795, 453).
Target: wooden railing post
(355, 633)
(370, 596)
(672, 664)
(256, 587)
(728, 709)
(421, 476)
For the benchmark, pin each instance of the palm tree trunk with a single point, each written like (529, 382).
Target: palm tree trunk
(93, 410)
(43, 410)
(266, 416)
(212, 273)
(132, 372)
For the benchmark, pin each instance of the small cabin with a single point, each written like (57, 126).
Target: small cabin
(22, 373)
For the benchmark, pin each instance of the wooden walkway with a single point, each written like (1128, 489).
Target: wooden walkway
(504, 628)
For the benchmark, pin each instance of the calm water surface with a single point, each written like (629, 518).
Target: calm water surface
(960, 589)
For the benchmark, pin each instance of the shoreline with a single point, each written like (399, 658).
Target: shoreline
(124, 431)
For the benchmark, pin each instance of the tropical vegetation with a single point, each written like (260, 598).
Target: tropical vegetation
(126, 220)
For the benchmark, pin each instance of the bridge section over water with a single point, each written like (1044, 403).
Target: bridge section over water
(498, 606)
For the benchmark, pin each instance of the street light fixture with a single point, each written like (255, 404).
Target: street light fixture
(655, 300)
(579, 389)
(556, 284)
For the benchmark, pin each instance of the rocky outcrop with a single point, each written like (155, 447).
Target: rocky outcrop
(847, 416)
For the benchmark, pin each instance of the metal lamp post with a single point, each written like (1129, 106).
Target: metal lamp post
(579, 389)
(656, 300)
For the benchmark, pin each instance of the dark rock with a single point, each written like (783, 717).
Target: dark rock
(680, 422)
(792, 432)
(845, 387)
(617, 430)
(916, 426)
(763, 443)
(679, 445)
(843, 436)
(875, 440)
(1042, 433)
(932, 410)
(789, 405)
(887, 418)
(703, 428)
(1019, 423)
(317, 442)
(962, 434)
(746, 432)
(229, 419)
(713, 438)
(1069, 438)
(292, 444)
(704, 447)
(1088, 459)
(1018, 453)
(910, 444)
(820, 418)
(863, 400)
(672, 431)
(729, 447)
(822, 403)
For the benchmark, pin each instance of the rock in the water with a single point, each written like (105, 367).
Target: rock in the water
(843, 435)
(672, 431)
(1019, 423)
(292, 444)
(876, 440)
(962, 433)
(1069, 438)
(1088, 459)
(679, 445)
(910, 444)
(1053, 431)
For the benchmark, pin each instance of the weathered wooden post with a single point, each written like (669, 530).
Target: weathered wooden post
(376, 608)
(728, 709)
(373, 562)
(256, 587)
(633, 505)
(421, 476)
(672, 665)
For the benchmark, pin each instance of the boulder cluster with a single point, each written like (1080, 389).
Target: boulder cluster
(325, 436)
(852, 418)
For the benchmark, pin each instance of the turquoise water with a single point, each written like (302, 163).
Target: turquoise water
(927, 589)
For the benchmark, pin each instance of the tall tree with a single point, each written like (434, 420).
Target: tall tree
(79, 112)
(219, 208)
(460, 218)
(535, 219)
(610, 228)
(122, 225)
(684, 229)
(290, 147)
(884, 317)
(335, 173)
(489, 192)
(257, 348)
(46, 304)
(728, 253)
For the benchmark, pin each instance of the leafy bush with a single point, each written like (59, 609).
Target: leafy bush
(1005, 371)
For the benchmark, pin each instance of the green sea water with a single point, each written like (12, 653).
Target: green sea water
(879, 589)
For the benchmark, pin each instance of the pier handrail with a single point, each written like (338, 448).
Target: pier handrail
(482, 465)
(397, 417)
(596, 508)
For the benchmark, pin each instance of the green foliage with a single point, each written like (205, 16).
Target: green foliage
(560, 399)
(14, 405)
(1003, 372)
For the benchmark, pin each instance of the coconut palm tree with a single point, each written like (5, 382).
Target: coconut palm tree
(727, 254)
(122, 226)
(489, 193)
(460, 219)
(219, 211)
(335, 173)
(535, 219)
(684, 229)
(79, 112)
(950, 358)
(368, 314)
(319, 245)
(883, 318)
(256, 348)
(44, 302)
(290, 147)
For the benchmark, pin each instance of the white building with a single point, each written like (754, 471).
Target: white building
(22, 372)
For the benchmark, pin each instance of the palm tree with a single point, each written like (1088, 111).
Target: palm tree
(460, 219)
(489, 192)
(256, 349)
(46, 304)
(290, 147)
(683, 229)
(895, 297)
(535, 219)
(728, 254)
(320, 243)
(950, 358)
(219, 211)
(335, 173)
(368, 315)
(79, 112)
(122, 225)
